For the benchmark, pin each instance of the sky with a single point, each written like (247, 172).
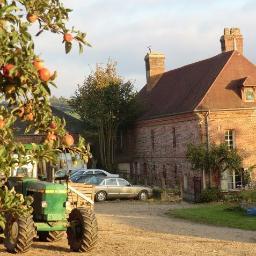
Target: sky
(186, 31)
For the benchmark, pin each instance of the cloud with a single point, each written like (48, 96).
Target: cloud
(185, 30)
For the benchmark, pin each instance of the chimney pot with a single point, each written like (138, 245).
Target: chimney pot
(232, 40)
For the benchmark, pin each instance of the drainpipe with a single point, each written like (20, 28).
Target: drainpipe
(207, 146)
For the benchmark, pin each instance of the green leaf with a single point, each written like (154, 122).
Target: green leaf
(80, 48)
(68, 47)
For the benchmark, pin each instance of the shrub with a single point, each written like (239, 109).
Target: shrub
(232, 197)
(248, 196)
(171, 192)
(157, 192)
(210, 195)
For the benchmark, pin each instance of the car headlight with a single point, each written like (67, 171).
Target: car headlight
(44, 204)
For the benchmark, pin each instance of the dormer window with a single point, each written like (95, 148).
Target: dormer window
(249, 94)
(248, 90)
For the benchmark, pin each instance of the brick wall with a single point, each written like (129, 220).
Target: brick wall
(160, 145)
(243, 123)
(160, 151)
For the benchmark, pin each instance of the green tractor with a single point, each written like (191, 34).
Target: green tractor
(52, 217)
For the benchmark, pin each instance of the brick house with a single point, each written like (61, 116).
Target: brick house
(210, 101)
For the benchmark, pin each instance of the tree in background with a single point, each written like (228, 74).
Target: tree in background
(59, 101)
(214, 161)
(25, 89)
(106, 104)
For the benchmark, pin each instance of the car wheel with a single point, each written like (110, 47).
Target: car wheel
(101, 196)
(143, 195)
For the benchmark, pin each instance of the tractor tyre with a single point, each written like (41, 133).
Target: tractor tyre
(51, 236)
(83, 230)
(19, 234)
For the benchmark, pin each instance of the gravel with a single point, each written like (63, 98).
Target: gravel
(142, 229)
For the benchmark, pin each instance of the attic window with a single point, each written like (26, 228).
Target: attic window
(248, 89)
(249, 95)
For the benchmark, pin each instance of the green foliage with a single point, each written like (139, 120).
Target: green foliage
(248, 196)
(24, 92)
(106, 104)
(14, 204)
(216, 159)
(210, 195)
(157, 192)
(232, 197)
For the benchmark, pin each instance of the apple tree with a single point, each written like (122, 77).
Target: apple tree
(25, 88)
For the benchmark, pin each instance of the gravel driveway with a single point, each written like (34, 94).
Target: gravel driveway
(142, 229)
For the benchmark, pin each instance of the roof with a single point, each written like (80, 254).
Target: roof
(208, 84)
(73, 125)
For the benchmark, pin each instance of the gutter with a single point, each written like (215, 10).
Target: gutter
(193, 111)
(207, 129)
(206, 120)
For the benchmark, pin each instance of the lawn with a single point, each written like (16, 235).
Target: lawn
(218, 215)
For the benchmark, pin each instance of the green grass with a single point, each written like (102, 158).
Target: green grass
(218, 215)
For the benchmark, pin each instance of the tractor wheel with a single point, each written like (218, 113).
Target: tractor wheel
(19, 234)
(83, 230)
(51, 236)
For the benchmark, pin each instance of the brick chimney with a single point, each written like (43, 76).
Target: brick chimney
(155, 67)
(232, 40)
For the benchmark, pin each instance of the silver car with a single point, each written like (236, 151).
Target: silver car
(91, 172)
(117, 188)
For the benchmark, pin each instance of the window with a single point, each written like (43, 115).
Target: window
(123, 183)
(231, 180)
(23, 172)
(185, 182)
(249, 94)
(175, 172)
(145, 173)
(230, 138)
(81, 179)
(111, 182)
(88, 172)
(173, 137)
(164, 180)
(121, 140)
(153, 139)
(100, 173)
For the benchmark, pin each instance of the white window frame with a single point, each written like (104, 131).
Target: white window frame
(230, 141)
(229, 181)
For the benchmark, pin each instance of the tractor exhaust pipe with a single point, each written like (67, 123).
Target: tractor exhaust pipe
(50, 174)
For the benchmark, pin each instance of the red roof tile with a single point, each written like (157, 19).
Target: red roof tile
(225, 92)
(188, 88)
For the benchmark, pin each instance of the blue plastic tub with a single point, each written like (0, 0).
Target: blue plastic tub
(251, 211)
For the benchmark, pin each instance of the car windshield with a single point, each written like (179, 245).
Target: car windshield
(77, 173)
